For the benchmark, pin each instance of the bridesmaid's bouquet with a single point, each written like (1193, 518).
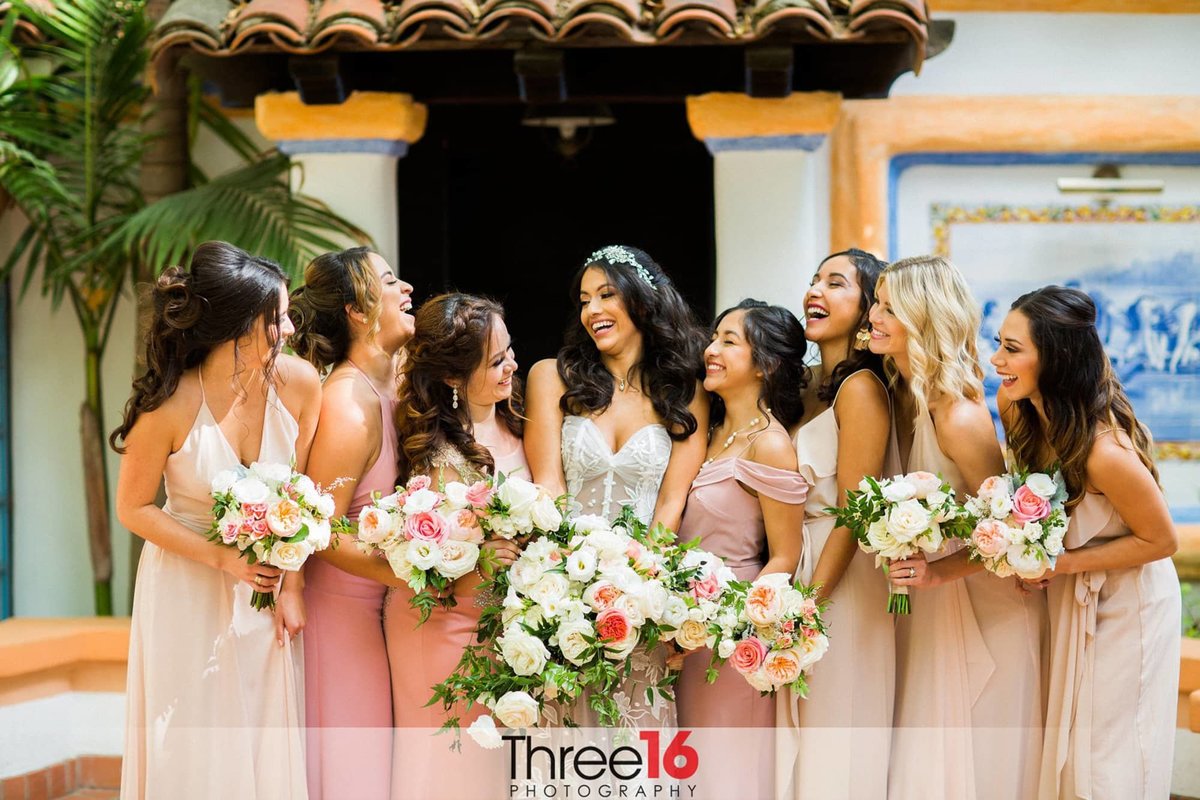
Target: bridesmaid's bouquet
(1018, 531)
(576, 603)
(898, 517)
(772, 631)
(431, 536)
(272, 515)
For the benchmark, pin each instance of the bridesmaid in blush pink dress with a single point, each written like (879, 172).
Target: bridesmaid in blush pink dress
(969, 688)
(846, 434)
(1114, 595)
(352, 316)
(213, 699)
(746, 506)
(459, 419)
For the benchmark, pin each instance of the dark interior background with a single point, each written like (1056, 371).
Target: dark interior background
(493, 207)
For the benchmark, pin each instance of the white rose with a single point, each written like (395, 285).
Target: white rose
(319, 533)
(1042, 485)
(551, 586)
(1031, 532)
(759, 680)
(792, 602)
(1000, 568)
(581, 565)
(898, 491)
(517, 710)
(932, 541)
(374, 524)
(907, 520)
(675, 611)
(458, 558)
(397, 558)
(250, 490)
(323, 504)
(275, 473)
(224, 481)
(424, 555)
(420, 500)
(632, 607)
(586, 523)
(546, 515)
(882, 541)
(606, 543)
(526, 654)
(936, 498)
(483, 731)
(1000, 506)
(812, 649)
(652, 597)
(1026, 561)
(571, 641)
(725, 648)
(519, 495)
(456, 493)
(924, 484)
(525, 573)
(1054, 543)
(304, 484)
(288, 555)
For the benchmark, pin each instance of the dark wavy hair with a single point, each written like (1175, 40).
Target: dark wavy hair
(777, 347)
(672, 345)
(318, 308)
(219, 299)
(1081, 394)
(868, 268)
(449, 343)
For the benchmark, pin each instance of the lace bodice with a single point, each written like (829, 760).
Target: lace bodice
(602, 481)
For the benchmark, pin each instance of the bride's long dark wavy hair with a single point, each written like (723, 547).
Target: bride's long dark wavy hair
(672, 346)
(449, 343)
(1081, 394)
(224, 294)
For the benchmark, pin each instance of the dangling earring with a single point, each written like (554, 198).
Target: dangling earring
(862, 339)
(454, 398)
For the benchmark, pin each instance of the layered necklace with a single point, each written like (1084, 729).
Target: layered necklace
(733, 436)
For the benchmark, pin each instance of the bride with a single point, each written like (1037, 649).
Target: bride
(619, 418)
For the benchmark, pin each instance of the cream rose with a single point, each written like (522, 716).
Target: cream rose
(924, 483)
(571, 641)
(1026, 561)
(898, 491)
(882, 541)
(458, 558)
(483, 731)
(289, 555)
(456, 494)
(545, 514)
(812, 648)
(551, 586)
(526, 654)
(517, 710)
(652, 596)
(519, 495)
(692, 635)
(907, 520)
(397, 558)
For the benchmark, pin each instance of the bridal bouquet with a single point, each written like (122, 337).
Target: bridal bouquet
(773, 632)
(272, 515)
(898, 517)
(576, 604)
(1018, 531)
(432, 536)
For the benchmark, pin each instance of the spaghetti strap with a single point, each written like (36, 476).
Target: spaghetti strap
(859, 372)
(370, 382)
(200, 375)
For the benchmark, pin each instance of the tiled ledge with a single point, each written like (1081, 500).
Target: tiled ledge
(86, 776)
(42, 657)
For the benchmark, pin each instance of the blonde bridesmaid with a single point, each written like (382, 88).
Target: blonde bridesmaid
(1114, 596)
(846, 434)
(746, 506)
(351, 317)
(459, 419)
(968, 717)
(213, 696)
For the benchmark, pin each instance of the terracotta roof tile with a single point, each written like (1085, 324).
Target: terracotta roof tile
(305, 26)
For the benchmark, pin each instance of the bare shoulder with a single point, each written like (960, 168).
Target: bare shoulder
(544, 378)
(773, 447)
(1111, 457)
(861, 392)
(175, 417)
(296, 374)
(347, 399)
(963, 418)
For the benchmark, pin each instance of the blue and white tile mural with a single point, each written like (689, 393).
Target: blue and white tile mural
(1140, 264)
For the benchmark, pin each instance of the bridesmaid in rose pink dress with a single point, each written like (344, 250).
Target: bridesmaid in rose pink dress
(969, 685)
(1114, 595)
(459, 419)
(746, 506)
(351, 315)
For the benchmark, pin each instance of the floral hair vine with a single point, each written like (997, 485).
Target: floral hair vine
(616, 254)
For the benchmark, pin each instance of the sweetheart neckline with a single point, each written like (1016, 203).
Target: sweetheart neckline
(604, 440)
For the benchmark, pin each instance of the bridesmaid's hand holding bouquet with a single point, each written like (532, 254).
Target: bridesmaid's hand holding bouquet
(1018, 531)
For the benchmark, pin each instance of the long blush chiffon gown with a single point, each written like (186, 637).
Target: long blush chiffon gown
(969, 688)
(1114, 671)
(848, 711)
(424, 767)
(728, 521)
(213, 702)
(348, 694)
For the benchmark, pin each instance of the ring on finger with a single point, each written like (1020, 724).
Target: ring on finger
(912, 572)
(258, 580)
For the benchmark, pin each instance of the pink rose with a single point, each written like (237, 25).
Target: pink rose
(230, 531)
(633, 551)
(707, 588)
(427, 526)
(1028, 507)
(789, 625)
(993, 486)
(808, 609)
(258, 529)
(810, 633)
(418, 482)
(465, 527)
(748, 655)
(254, 511)
(924, 483)
(612, 625)
(602, 595)
(479, 493)
(990, 537)
(783, 641)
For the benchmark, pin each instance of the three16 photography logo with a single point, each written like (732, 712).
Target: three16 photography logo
(606, 766)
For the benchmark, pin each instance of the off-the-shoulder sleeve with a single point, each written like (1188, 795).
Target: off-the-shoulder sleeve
(784, 485)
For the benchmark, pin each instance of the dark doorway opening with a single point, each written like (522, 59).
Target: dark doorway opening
(492, 207)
